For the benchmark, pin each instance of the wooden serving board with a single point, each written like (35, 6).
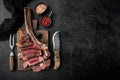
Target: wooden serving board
(43, 39)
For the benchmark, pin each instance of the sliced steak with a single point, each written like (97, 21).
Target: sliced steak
(33, 61)
(36, 68)
(30, 47)
(45, 64)
(30, 56)
(27, 52)
(41, 66)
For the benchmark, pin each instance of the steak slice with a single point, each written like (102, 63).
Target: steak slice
(30, 47)
(41, 66)
(29, 51)
(30, 56)
(47, 63)
(33, 61)
(36, 68)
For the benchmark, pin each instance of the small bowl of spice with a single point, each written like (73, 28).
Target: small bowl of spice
(40, 8)
(46, 21)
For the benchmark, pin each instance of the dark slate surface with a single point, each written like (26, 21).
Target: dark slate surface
(89, 37)
(3, 12)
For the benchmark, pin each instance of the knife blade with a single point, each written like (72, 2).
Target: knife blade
(56, 49)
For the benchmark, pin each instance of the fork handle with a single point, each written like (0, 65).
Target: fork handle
(11, 61)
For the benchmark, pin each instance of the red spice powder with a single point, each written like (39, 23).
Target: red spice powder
(45, 21)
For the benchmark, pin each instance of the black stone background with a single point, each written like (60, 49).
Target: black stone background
(90, 40)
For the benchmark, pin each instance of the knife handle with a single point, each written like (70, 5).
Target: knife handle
(56, 59)
(11, 61)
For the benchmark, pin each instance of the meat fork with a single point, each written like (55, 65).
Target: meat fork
(11, 57)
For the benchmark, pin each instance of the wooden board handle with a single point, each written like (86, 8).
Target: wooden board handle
(56, 59)
(11, 61)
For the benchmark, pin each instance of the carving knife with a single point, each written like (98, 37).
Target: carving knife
(56, 49)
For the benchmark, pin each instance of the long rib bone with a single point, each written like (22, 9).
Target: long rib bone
(29, 29)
